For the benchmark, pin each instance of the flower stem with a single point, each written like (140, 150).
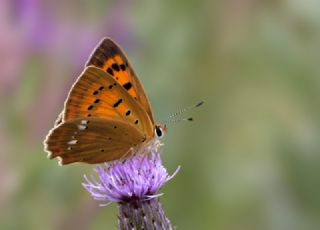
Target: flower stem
(147, 214)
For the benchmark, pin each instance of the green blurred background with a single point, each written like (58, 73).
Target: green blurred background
(249, 161)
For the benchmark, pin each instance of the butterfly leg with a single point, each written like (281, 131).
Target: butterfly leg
(128, 154)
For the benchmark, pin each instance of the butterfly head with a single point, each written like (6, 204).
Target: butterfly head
(160, 130)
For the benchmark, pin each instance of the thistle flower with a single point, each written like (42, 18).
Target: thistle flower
(134, 185)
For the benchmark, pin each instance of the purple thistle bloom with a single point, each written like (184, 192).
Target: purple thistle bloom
(137, 178)
(133, 184)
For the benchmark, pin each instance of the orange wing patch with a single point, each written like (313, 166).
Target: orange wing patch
(118, 68)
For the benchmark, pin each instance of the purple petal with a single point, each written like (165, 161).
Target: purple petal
(137, 178)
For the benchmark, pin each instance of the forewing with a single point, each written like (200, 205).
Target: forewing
(110, 58)
(97, 94)
(92, 140)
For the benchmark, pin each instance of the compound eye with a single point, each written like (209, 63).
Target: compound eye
(159, 132)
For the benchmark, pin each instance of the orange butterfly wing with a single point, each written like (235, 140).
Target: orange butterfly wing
(110, 58)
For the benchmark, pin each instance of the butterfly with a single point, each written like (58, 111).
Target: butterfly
(107, 115)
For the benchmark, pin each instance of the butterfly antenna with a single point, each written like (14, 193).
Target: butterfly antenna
(177, 120)
(181, 111)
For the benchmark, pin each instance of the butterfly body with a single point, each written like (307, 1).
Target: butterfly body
(106, 116)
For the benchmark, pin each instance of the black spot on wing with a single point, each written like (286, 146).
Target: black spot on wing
(115, 67)
(110, 71)
(128, 112)
(115, 105)
(127, 85)
(123, 67)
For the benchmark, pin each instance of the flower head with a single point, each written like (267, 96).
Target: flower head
(137, 178)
